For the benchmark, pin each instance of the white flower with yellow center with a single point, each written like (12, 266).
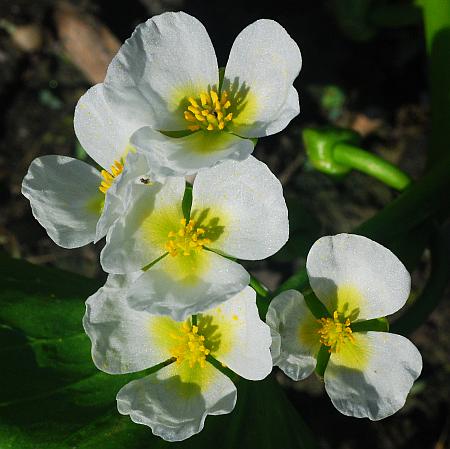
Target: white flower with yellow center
(75, 202)
(175, 400)
(369, 374)
(167, 74)
(237, 210)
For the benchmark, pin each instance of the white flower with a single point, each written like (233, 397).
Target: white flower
(175, 400)
(74, 202)
(166, 77)
(369, 374)
(238, 209)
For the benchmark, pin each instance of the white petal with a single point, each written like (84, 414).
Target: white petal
(138, 237)
(122, 338)
(103, 131)
(183, 285)
(247, 200)
(119, 196)
(291, 109)
(238, 337)
(64, 198)
(263, 63)
(166, 60)
(186, 155)
(175, 401)
(354, 274)
(295, 330)
(379, 386)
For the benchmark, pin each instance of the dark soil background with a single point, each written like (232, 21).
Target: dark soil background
(357, 72)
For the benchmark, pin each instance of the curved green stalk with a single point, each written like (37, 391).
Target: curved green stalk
(433, 292)
(335, 152)
(260, 289)
(371, 164)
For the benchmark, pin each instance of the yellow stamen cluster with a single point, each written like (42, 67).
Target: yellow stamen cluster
(190, 346)
(208, 112)
(109, 176)
(335, 332)
(186, 239)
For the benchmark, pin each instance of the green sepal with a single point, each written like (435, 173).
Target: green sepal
(177, 134)
(186, 204)
(148, 266)
(223, 368)
(377, 324)
(323, 356)
(315, 305)
(259, 288)
(319, 145)
(221, 76)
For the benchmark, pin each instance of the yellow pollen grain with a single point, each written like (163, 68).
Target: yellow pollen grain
(186, 240)
(109, 177)
(335, 332)
(189, 346)
(189, 116)
(208, 112)
(193, 102)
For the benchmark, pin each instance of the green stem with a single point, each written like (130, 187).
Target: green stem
(259, 288)
(298, 281)
(371, 165)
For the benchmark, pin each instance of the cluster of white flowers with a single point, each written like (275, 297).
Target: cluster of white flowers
(175, 299)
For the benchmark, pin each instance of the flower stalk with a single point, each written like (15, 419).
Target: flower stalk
(372, 165)
(335, 152)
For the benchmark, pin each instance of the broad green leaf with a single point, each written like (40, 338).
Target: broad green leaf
(53, 397)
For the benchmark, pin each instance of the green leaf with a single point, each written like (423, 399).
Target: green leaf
(53, 397)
